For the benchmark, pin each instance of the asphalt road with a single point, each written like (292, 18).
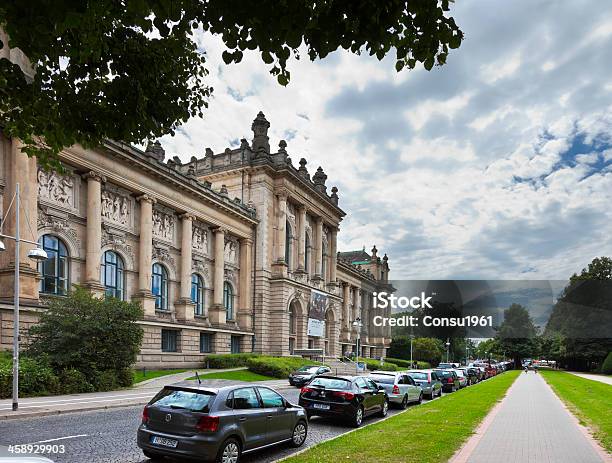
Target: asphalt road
(110, 435)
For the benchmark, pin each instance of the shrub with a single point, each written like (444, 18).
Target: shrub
(372, 364)
(73, 381)
(125, 377)
(35, 378)
(229, 360)
(277, 367)
(406, 363)
(606, 367)
(105, 380)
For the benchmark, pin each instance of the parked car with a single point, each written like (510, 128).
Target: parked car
(450, 380)
(447, 366)
(463, 381)
(429, 380)
(472, 374)
(218, 424)
(347, 397)
(400, 387)
(305, 374)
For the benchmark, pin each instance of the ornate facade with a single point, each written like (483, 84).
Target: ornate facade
(222, 252)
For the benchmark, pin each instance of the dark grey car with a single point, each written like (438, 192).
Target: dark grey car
(218, 424)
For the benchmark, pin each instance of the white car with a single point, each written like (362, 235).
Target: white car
(462, 378)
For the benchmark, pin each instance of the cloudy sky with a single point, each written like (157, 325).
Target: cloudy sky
(497, 165)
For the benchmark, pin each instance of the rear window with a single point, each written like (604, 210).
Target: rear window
(418, 376)
(445, 374)
(308, 369)
(445, 365)
(196, 401)
(331, 383)
(383, 379)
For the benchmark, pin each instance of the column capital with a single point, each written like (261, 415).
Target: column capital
(319, 220)
(187, 216)
(302, 208)
(146, 198)
(247, 241)
(92, 175)
(217, 230)
(283, 194)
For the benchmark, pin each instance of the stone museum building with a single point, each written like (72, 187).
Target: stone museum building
(222, 252)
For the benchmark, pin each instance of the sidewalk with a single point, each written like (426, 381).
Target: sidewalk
(601, 378)
(532, 425)
(139, 394)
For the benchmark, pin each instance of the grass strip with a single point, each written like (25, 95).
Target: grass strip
(140, 376)
(590, 401)
(430, 432)
(238, 375)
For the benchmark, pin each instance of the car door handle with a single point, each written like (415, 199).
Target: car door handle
(243, 418)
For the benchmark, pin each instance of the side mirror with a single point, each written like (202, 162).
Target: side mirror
(380, 388)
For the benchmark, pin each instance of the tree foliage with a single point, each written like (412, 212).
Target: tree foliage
(425, 349)
(87, 334)
(517, 334)
(133, 70)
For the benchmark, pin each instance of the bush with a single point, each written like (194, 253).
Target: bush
(406, 363)
(105, 381)
(229, 360)
(606, 367)
(125, 377)
(372, 364)
(277, 367)
(73, 382)
(36, 378)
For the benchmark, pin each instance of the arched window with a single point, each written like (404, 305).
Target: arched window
(228, 300)
(55, 269)
(111, 275)
(159, 286)
(307, 254)
(288, 244)
(197, 293)
(292, 320)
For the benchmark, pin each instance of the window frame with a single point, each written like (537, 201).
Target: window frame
(119, 275)
(61, 285)
(210, 339)
(161, 300)
(198, 309)
(228, 300)
(175, 341)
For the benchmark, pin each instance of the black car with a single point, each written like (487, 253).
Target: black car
(472, 374)
(218, 424)
(306, 373)
(450, 380)
(351, 398)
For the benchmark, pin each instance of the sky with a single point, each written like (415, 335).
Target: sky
(497, 165)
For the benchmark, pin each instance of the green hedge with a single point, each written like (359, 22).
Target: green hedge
(228, 360)
(606, 367)
(372, 364)
(277, 367)
(406, 363)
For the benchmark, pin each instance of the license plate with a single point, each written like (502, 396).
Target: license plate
(163, 441)
(321, 406)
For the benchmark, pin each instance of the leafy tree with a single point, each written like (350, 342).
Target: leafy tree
(489, 348)
(93, 336)
(517, 334)
(582, 317)
(606, 368)
(132, 70)
(424, 349)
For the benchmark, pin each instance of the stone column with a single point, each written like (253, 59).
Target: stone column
(356, 308)
(184, 306)
(145, 252)
(280, 266)
(19, 168)
(301, 238)
(217, 311)
(245, 320)
(346, 317)
(319, 248)
(93, 253)
(334, 255)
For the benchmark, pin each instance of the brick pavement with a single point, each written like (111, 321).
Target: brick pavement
(533, 426)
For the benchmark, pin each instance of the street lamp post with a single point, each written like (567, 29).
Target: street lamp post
(447, 348)
(36, 254)
(358, 324)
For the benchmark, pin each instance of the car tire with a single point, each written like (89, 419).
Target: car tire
(430, 396)
(385, 409)
(420, 398)
(300, 432)
(229, 452)
(151, 455)
(440, 393)
(358, 418)
(404, 403)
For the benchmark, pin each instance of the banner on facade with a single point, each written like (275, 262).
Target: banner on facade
(316, 314)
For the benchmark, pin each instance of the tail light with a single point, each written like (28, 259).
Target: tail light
(208, 424)
(450, 380)
(396, 389)
(304, 390)
(345, 395)
(145, 415)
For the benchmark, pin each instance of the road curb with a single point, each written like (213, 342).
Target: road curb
(7, 417)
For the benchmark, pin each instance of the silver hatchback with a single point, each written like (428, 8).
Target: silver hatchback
(218, 424)
(400, 387)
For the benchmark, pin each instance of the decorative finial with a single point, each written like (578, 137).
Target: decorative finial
(260, 127)
(319, 179)
(155, 150)
(334, 195)
(374, 251)
(209, 152)
(223, 191)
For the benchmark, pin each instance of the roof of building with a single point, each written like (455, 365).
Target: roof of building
(356, 257)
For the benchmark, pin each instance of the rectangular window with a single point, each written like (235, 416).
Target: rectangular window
(169, 340)
(205, 342)
(236, 344)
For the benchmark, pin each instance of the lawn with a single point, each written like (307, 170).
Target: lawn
(139, 376)
(590, 401)
(430, 432)
(237, 375)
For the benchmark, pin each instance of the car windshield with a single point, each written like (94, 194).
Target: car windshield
(445, 374)
(459, 373)
(196, 401)
(445, 365)
(331, 383)
(308, 369)
(418, 376)
(383, 379)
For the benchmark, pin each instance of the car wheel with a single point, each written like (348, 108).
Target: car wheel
(358, 418)
(420, 398)
(385, 408)
(404, 403)
(151, 455)
(440, 393)
(229, 452)
(299, 434)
